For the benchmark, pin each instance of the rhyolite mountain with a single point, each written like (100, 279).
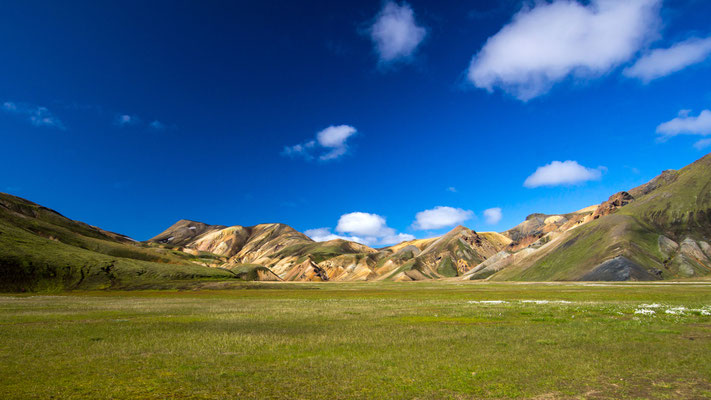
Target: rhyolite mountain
(660, 230)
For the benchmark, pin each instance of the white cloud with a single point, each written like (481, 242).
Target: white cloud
(551, 41)
(334, 138)
(36, 115)
(365, 224)
(365, 228)
(686, 124)
(562, 173)
(493, 215)
(662, 62)
(440, 217)
(452, 189)
(330, 143)
(395, 32)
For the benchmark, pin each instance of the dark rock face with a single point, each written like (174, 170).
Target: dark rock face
(615, 201)
(321, 273)
(618, 269)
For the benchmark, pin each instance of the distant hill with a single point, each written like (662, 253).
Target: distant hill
(660, 230)
(293, 256)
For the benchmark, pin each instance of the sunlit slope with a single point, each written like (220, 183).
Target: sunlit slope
(292, 256)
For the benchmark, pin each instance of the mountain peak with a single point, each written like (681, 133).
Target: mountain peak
(183, 232)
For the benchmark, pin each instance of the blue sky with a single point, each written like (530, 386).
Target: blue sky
(372, 120)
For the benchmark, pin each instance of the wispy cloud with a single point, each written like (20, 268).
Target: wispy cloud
(549, 42)
(687, 124)
(452, 189)
(330, 144)
(157, 125)
(702, 144)
(493, 215)
(662, 62)
(37, 115)
(441, 217)
(126, 120)
(562, 173)
(395, 33)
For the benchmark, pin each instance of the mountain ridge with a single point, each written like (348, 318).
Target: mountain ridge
(658, 230)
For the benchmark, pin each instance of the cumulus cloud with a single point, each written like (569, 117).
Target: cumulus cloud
(440, 217)
(361, 227)
(493, 215)
(364, 224)
(686, 124)
(330, 144)
(395, 33)
(562, 173)
(36, 115)
(545, 44)
(663, 62)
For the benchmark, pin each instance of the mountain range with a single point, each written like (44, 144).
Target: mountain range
(660, 230)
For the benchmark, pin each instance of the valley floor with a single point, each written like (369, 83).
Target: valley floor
(427, 340)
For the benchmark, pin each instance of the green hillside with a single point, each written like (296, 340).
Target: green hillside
(40, 250)
(676, 205)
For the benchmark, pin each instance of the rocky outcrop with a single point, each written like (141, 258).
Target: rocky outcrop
(615, 201)
(667, 246)
(706, 248)
(690, 258)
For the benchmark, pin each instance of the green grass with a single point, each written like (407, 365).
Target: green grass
(426, 340)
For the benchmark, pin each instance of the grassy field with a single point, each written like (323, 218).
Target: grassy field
(430, 340)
